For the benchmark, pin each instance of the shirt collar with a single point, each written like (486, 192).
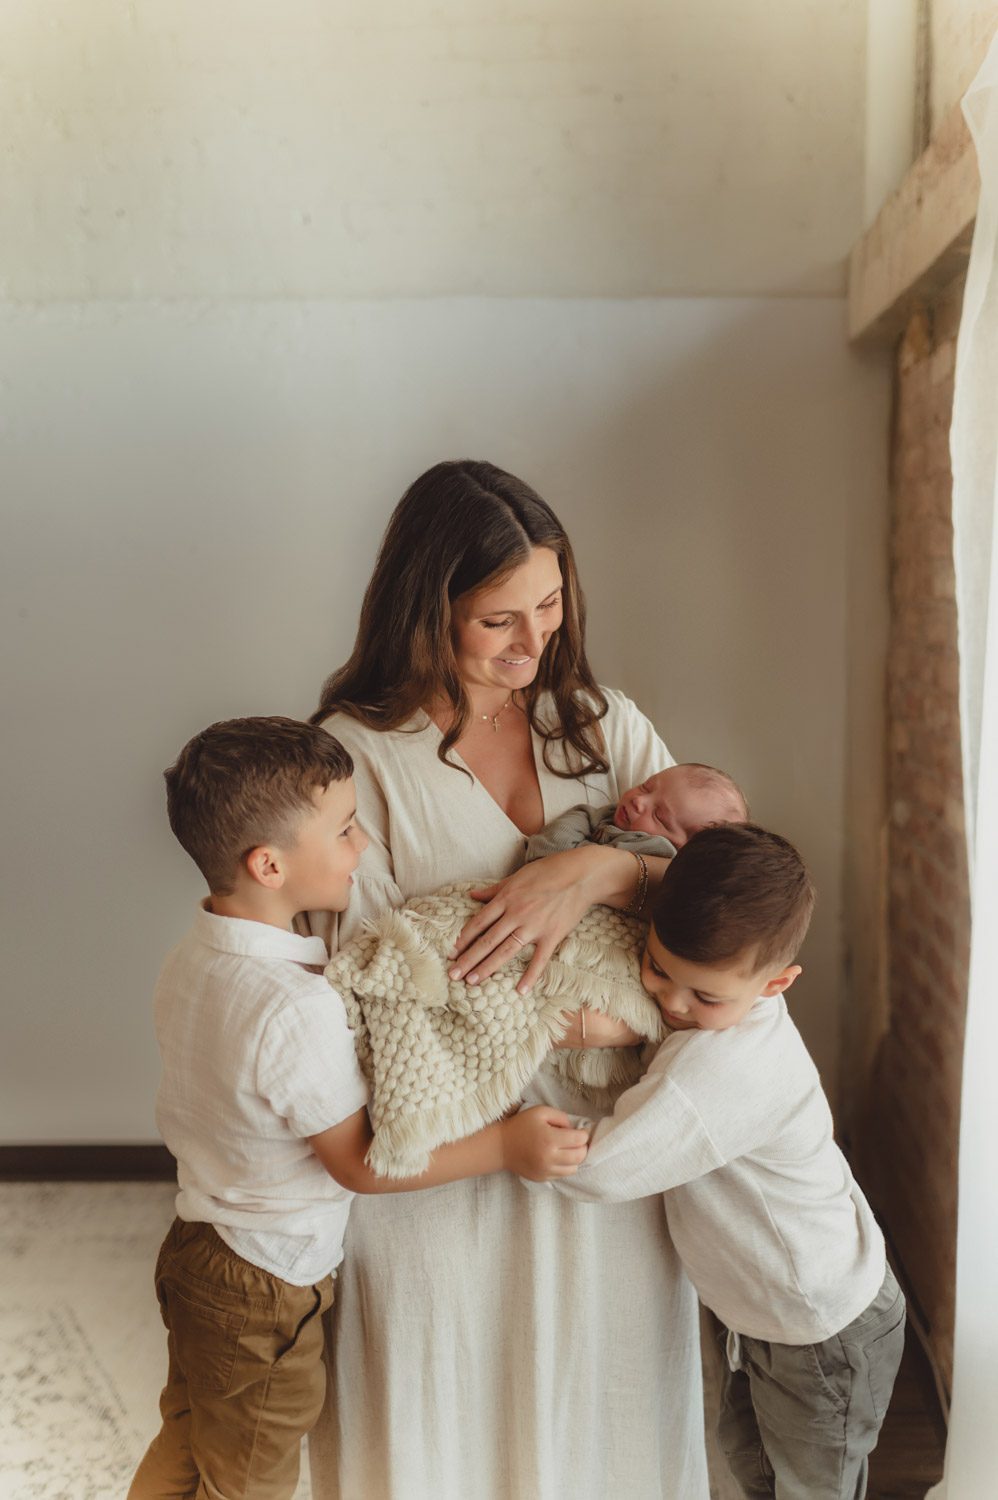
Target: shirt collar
(257, 939)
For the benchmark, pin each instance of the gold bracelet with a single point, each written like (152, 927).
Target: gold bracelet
(641, 894)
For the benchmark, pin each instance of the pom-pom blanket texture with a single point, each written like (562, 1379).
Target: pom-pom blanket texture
(444, 1058)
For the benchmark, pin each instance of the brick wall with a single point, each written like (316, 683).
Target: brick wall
(906, 1147)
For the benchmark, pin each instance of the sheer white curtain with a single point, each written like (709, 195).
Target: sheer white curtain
(972, 1448)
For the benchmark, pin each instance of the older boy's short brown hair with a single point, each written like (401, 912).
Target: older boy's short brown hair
(246, 782)
(735, 891)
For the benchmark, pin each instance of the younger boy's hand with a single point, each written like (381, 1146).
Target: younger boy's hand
(541, 1143)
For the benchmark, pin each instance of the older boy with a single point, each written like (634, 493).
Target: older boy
(263, 1105)
(731, 1123)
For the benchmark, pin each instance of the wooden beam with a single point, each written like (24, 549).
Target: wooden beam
(920, 240)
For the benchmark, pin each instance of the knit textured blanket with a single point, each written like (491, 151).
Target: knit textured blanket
(444, 1058)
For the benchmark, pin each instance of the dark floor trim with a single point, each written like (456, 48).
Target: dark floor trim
(86, 1164)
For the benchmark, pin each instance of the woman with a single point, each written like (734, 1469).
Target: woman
(493, 1342)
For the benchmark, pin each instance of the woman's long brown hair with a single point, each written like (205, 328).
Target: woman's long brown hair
(460, 527)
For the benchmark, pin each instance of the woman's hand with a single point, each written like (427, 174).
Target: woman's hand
(539, 904)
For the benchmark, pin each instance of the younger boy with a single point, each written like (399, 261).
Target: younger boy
(263, 1105)
(731, 1123)
(656, 817)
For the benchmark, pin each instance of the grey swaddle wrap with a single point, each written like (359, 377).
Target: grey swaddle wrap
(593, 825)
(444, 1058)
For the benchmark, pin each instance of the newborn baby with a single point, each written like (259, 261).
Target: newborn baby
(656, 817)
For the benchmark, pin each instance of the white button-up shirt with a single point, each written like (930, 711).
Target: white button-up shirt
(257, 1056)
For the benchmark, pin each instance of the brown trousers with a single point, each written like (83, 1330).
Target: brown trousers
(245, 1381)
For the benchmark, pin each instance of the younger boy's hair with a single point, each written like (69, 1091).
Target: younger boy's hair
(246, 782)
(710, 779)
(735, 891)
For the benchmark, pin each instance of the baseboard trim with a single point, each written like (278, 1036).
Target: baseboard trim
(112, 1163)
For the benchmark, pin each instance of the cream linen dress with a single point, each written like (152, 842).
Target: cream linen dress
(490, 1342)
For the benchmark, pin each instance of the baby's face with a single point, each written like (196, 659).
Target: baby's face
(669, 805)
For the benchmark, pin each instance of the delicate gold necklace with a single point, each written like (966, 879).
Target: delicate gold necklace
(494, 718)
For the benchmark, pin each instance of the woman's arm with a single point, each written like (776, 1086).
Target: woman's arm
(590, 1028)
(539, 1144)
(542, 902)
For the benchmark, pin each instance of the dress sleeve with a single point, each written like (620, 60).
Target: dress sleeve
(635, 747)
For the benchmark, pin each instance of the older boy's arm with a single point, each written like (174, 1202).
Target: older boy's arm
(653, 1141)
(538, 1144)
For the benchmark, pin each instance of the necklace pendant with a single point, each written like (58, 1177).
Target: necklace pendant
(493, 719)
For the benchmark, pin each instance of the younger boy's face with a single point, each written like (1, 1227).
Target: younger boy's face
(326, 850)
(703, 997)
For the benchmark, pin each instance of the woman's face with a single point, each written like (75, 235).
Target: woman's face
(500, 632)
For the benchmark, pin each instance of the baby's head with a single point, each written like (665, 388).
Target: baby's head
(267, 805)
(728, 921)
(677, 802)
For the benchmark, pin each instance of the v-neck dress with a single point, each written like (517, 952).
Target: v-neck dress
(490, 1342)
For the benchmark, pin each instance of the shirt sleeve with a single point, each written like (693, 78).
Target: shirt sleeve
(653, 1141)
(307, 1068)
(707, 1099)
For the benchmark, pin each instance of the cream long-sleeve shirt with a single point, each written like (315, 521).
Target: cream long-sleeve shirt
(734, 1128)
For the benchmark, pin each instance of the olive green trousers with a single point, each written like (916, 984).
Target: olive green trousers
(799, 1422)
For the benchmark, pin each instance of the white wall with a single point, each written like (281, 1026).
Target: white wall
(213, 391)
(220, 148)
(892, 102)
(178, 557)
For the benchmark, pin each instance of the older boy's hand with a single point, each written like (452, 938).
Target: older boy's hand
(541, 1143)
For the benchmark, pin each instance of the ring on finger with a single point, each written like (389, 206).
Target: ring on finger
(518, 941)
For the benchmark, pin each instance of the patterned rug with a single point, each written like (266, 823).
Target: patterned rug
(82, 1347)
(66, 1434)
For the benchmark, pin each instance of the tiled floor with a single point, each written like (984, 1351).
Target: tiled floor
(82, 1348)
